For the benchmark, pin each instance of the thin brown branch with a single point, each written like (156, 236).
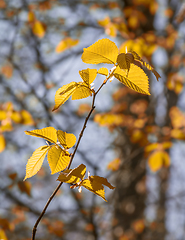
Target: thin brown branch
(72, 157)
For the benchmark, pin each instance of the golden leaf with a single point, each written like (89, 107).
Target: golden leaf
(63, 94)
(88, 75)
(66, 44)
(158, 159)
(101, 180)
(63, 177)
(78, 171)
(114, 165)
(67, 140)
(151, 147)
(95, 187)
(82, 91)
(26, 118)
(48, 133)
(35, 161)
(102, 51)
(3, 235)
(58, 159)
(2, 143)
(137, 57)
(38, 29)
(178, 134)
(136, 79)
(103, 71)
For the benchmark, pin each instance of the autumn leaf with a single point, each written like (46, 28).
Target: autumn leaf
(66, 44)
(78, 171)
(58, 159)
(150, 68)
(38, 29)
(67, 140)
(114, 165)
(77, 90)
(103, 71)
(48, 133)
(35, 161)
(158, 159)
(124, 60)
(2, 143)
(136, 79)
(102, 51)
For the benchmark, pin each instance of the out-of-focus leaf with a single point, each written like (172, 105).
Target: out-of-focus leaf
(2, 143)
(38, 29)
(158, 159)
(66, 44)
(25, 187)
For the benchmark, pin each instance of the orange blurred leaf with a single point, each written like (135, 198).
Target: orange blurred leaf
(114, 165)
(66, 44)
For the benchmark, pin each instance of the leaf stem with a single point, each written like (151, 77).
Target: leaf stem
(72, 157)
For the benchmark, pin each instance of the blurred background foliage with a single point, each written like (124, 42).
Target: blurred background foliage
(136, 141)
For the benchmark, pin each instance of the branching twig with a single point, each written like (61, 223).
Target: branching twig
(72, 157)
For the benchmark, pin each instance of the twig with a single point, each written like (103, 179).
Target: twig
(72, 157)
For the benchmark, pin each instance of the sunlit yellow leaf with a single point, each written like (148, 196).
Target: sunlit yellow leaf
(101, 180)
(177, 117)
(16, 117)
(48, 133)
(31, 17)
(67, 140)
(58, 159)
(78, 171)
(102, 51)
(95, 187)
(158, 159)
(35, 161)
(2, 143)
(88, 75)
(66, 44)
(63, 94)
(103, 71)
(136, 79)
(148, 66)
(82, 91)
(63, 177)
(38, 29)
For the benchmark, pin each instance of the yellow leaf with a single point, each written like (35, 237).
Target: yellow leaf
(104, 22)
(35, 161)
(63, 94)
(58, 159)
(151, 147)
(178, 134)
(124, 60)
(103, 71)
(26, 118)
(67, 140)
(66, 44)
(136, 79)
(114, 165)
(78, 171)
(101, 180)
(167, 145)
(2, 143)
(82, 91)
(63, 177)
(158, 159)
(3, 115)
(102, 51)
(137, 57)
(3, 235)
(48, 133)
(88, 75)
(95, 187)
(38, 29)
(31, 17)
